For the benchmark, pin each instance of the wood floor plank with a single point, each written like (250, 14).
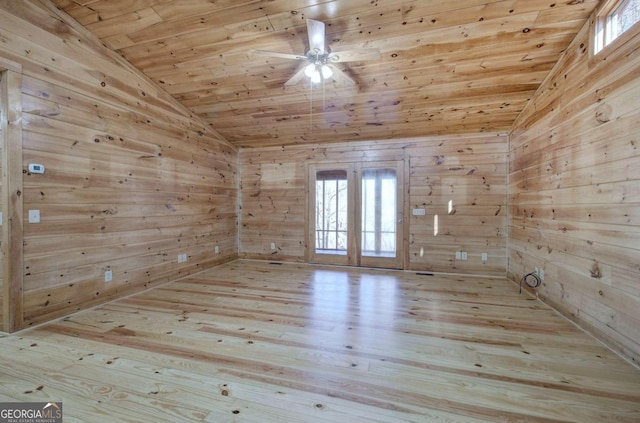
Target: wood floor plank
(251, 341)
(91, 400)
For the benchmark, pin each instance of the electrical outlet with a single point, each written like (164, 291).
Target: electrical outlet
(34, 216)
(484, 257)
(179, 258)
(217, 250)
(273, 245)
(458, 255)
(418, 212)
(464, 255)
(108, 275)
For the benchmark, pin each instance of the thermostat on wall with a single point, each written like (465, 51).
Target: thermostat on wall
(36, 168)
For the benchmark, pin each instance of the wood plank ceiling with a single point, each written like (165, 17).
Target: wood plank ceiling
(447, 66)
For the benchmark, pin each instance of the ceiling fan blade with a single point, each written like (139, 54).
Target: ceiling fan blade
(340, 77)
(297, 77)
(355, 55)
(315, 31)
(280, 55)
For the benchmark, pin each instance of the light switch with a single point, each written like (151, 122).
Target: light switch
(34, 216)
(418, 212)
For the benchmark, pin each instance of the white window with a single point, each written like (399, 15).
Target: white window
(615, 18)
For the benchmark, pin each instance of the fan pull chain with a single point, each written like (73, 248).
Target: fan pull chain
(310, 106)
(323, 105)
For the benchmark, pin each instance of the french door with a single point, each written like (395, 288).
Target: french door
(356, 214)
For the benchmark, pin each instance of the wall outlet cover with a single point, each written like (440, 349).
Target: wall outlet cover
(34, 216)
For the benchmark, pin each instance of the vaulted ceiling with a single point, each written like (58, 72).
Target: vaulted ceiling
(447, 66)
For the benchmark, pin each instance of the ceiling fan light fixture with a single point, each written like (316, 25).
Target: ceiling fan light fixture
(318, 72)
(326, 72)
(310, 70)
(315, 78)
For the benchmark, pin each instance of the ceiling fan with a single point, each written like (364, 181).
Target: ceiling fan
(319, 60)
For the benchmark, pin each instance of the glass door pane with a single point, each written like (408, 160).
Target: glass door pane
(379, 212)
(381, 228)
(330, 223)
(331, 212)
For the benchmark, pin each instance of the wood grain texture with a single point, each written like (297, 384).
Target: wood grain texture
(447, 66)
(137, 174)
(574, 191)
(12, 205)
(132, 178)
(469, 170)
(254, 342)
(3, 142)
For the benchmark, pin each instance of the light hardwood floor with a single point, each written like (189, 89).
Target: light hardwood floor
(258, 342)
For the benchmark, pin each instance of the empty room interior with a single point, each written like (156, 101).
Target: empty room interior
(321, 210)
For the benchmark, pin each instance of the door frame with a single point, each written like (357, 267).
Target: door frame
(11, 247)
(353, 256)
(349, 258)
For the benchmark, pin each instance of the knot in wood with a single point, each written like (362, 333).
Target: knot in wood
(603, 113)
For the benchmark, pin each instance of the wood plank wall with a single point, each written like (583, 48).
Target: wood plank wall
(3, 131)
(575, 191)
(471, 170)
(132, 178)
